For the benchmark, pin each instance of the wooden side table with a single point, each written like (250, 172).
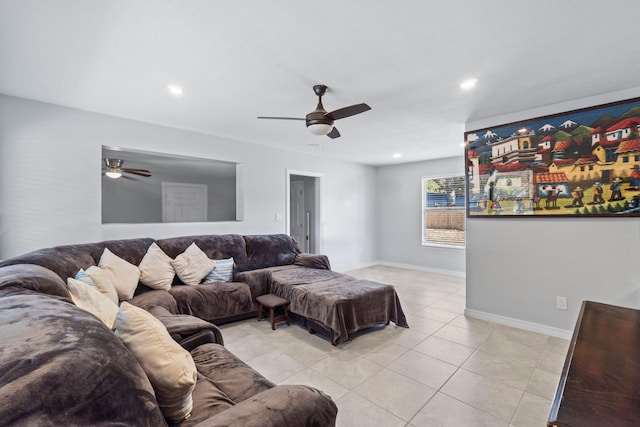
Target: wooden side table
(272, 302)
(600, 381)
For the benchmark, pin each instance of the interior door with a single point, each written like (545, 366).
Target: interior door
(184, 202)
(297, 215)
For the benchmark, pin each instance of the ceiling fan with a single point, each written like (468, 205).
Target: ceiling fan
(115, 170)
(319, 121)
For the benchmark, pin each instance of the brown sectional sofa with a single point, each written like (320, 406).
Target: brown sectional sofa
(60, 365)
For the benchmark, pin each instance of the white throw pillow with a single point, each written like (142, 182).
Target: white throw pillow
(103, 283)
(223, 272)
(123, 275)
(192, 265)
(89, 298)
(156, 270)
(170, 368)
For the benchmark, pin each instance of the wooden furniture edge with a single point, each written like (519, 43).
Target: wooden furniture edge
(552, 421)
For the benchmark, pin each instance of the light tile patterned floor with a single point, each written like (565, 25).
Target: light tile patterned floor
(445, 370)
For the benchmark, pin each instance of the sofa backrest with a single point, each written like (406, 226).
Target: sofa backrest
(268, 250)
(215, 246)
(249, 252)
(24, 279)
(65, 261)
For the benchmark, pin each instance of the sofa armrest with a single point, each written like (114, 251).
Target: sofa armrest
(185, 328)
(283, 405)
(320, 262)
(199, 338)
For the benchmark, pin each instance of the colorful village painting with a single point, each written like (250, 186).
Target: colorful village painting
(580, 163)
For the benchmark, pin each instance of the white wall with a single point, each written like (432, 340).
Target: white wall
(50, 162)
(517, 267)
(399, 207)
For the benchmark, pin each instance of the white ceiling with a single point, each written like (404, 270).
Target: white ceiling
(237, 60)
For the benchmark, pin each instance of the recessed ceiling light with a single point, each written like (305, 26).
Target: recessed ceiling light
(397, 155)
(468, 84)
(175, 90)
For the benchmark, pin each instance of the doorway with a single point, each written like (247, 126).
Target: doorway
(304, 218)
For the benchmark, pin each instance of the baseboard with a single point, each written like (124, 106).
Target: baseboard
(406, 266)
(520, 324)
(422, 268)
(354, 267)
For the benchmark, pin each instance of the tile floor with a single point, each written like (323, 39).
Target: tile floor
(445, 370)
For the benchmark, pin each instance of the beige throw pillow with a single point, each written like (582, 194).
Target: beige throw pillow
(170, 367)
(123, 275)
(192, 265)
(89, 298)
(156, 270)
(103, 283)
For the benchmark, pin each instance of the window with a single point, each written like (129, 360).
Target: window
(443, 213)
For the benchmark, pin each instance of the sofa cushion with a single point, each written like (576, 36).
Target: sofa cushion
(231, 375)
(208, 401)
(71, 370)
(152, 298)
(103, 282)
(213, 301)
(124, 275)
(222, 272)
(169, 367)
(89, 298)
(156, 270)
(192, 265)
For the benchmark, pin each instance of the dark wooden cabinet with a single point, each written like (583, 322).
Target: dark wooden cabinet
(600, 381)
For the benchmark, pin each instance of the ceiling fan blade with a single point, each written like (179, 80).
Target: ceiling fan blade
(334, 133)
(134, 170)
(280, 118)
(349, 111)
(141, 172)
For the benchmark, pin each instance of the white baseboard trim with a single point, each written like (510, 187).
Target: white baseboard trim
(407, 266)
(354, 267)
(422, 268)
(520, 324)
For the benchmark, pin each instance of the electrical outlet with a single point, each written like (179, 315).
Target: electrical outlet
(278, 216)
(561, 303)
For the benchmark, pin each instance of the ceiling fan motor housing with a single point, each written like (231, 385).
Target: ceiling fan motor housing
(319, 115)
(113, 163)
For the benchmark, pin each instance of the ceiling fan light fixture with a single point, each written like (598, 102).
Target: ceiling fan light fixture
(113, 174)
(320, 128)
(469, 84)
(175, 90)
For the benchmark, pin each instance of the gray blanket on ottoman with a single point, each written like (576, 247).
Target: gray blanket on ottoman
(340, 303)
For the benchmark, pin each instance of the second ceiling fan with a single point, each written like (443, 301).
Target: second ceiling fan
(319, 121)
(115, 170)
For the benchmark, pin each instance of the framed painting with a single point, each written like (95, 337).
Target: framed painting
(580, 163)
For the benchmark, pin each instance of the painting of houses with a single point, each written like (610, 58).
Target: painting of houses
(578, 163)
